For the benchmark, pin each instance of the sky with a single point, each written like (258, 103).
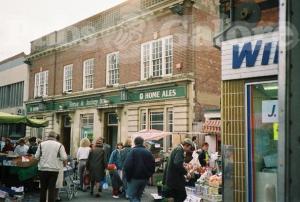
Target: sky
(23, 21)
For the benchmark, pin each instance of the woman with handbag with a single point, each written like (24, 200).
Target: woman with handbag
(116, 174)
(96, 165)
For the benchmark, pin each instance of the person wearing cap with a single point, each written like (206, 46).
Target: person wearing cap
(22, 148)
(50, 155)
(95, 165)
(174, 176)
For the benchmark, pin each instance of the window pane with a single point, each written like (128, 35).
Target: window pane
(157, 120)
(89, 73)
(113, 68)
(262, 137)
(169, 55)
(157, 58)
(87, 126)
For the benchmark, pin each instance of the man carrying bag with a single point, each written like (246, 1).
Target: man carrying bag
(50, 154)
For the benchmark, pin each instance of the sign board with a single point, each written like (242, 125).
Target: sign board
(161, 94)
(270, 111)
(134, 95)
(249, 57)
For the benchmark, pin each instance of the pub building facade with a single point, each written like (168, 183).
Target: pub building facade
(135, 66)
(250, 103)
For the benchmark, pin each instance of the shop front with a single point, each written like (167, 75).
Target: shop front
(116, 115)
(250, 116)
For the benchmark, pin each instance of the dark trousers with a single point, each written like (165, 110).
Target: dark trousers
(179, 195)
(135, 189)
(48, 182)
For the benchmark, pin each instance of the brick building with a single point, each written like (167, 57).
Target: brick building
(144, 64)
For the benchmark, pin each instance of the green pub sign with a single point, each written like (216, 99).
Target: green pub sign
(128, 96)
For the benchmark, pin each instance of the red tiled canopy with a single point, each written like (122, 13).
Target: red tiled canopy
(212, 127)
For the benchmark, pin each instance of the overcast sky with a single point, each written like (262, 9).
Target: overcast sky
(23, 21)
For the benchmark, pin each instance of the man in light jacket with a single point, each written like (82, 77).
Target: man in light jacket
(50, 155)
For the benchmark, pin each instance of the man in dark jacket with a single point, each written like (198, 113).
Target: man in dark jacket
(176, 171)
(138, 167)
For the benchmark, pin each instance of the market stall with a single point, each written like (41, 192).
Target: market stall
(208, 187)
(15, 169)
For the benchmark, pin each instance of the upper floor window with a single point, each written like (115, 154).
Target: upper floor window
(157, 58)
(68, 74)
(88, 74)
(112, 69)
(41, 84)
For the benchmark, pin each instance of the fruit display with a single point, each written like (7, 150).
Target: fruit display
(215, 181)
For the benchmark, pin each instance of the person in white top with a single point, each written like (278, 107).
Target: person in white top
(22, 148)
(82, 156)
(50, 155)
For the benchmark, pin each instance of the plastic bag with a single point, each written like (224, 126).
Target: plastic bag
(105, 186)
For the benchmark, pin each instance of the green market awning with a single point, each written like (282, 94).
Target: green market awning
(37, 123)
(6, 118)
(10, 118)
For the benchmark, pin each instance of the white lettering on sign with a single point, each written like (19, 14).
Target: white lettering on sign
(152, 95)
(92, 102)
(74, 104)
(158, 94)
(169, 93)
(270, 111)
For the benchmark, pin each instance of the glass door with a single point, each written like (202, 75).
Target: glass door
(262, 141)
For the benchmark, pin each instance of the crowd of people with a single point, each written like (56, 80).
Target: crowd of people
(22, 147)
(127, 167)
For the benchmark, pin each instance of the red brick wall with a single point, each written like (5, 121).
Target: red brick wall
(207, 63)
(203, 60)
(42, 64)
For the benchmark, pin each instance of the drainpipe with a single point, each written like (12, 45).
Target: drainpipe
(54, 77)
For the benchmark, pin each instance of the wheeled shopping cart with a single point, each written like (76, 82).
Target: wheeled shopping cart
(71, 182)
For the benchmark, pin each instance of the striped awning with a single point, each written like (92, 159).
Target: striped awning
(212, 127)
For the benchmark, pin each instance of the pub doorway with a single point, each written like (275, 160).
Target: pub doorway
(111, 129)
(65, 138)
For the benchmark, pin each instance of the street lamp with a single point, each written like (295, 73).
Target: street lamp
(124, 94)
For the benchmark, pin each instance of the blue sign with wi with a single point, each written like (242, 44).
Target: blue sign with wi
(250, 54)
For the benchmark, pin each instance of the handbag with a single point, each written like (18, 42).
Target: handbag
(111, 167)
(86, 178)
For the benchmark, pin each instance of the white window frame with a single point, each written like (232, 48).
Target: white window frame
(166, 57)
(89, 63)
(109, 70)
(68, 77)
(41, 84)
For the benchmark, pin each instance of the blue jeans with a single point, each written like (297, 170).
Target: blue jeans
(135, 189)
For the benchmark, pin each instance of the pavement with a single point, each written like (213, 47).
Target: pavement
(86, 197)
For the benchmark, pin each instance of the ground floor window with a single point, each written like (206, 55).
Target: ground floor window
(262, 140)
(87, 126)
(158, 119)
(37, 132)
